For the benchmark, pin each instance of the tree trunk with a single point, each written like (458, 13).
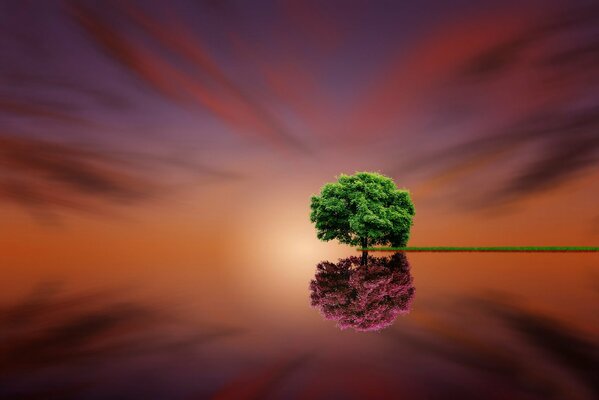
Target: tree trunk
(364, 252)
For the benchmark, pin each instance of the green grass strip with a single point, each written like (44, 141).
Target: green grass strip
(506, 249)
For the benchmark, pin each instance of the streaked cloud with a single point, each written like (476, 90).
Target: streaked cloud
(539, 90)
(46, 176)
(209, 86)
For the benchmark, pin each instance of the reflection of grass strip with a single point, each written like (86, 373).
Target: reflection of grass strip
(523, 249)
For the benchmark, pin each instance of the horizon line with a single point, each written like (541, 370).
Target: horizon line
(487, 249)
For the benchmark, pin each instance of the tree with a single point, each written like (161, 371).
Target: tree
(364, 209)
(368, 298)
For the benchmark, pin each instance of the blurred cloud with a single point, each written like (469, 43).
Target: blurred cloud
(289, 81)
(148, 67)
(567, 145)
(507, 90)
(226, 99)
(43, 174)
(412, 80)
(544, 90)
(32, 108)
(320, 29)
(15, 81)
(46, 177)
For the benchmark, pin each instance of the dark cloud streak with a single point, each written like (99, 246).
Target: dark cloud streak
(47, 177)
(228, 101)
(562, 122)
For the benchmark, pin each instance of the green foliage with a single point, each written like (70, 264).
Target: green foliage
(363, 209)
(499, 249)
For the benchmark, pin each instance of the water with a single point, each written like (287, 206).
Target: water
(472, 326)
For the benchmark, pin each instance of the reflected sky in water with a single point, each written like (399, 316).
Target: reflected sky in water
(487, 339)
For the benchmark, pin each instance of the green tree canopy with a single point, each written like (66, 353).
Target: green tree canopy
(364, 209)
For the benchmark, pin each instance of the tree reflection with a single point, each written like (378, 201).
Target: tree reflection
(365, 298)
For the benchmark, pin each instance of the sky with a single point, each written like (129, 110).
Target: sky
(217, 120)
(171, 148)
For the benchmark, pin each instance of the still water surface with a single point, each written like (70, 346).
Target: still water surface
(490, 326)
